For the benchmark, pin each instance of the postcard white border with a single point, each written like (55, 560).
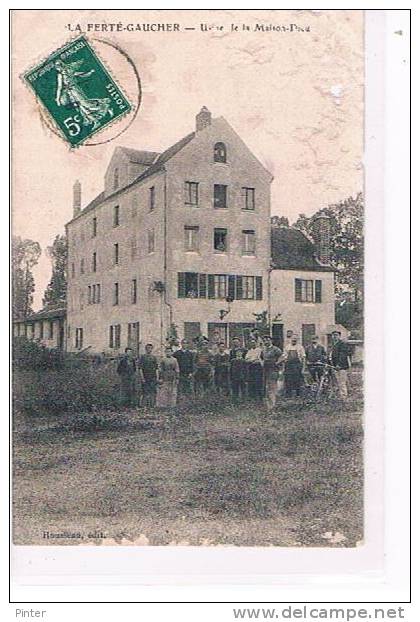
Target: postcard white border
(323, 574)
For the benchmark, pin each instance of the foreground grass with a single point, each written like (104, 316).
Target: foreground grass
(207, 475)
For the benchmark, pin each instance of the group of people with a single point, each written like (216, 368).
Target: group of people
(253, 372)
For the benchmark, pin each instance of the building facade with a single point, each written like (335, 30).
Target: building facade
(178, 241)
(301, 298)
(46, 327)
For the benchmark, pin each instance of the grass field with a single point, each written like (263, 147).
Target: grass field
(208, 475)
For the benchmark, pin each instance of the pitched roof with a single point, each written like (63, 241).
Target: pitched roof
(153, 168)
(292, 250)
(44, 314)
(140, 157)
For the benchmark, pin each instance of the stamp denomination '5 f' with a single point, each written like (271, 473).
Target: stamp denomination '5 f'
(78, 91)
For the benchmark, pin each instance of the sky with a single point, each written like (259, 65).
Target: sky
(295, 98)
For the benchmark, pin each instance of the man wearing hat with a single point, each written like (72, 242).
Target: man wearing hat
(340, 359)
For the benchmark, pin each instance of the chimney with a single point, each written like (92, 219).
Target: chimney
(322, 238)
(77, 198)
(202, 119)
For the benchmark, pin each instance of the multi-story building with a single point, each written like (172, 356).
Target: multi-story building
(180, 238)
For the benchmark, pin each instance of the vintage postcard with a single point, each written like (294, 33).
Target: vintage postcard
(188, 278)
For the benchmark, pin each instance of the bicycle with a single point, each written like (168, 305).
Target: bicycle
(325, 383)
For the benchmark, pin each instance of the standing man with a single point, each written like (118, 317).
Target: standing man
(294, 357)
(237, 369)
(271, 356)
(253, 359)
(315, 357)
(148, 365)
(340, 360)
(185, 359)
(221, 369)
(127, 372)
(203, 367)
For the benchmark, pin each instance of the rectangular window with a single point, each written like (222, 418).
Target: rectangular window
(116, 178)
(248, 195)
(220, 196)
(308, 290)
(79, 338)
(248, 242)
(248, 288)
(151, 241)
(94, 262)
(220, 285)
(98, 293)
(202, 283)
(191, 238)
(51, 330)
(133, 247)
(94, 226)
(134, 207)
(133, 291)
(188, 285)
(82, 266)
(116, 254)
(152, 198)
(115, 336)
(116, 216)
(116, 293)
(191, 193)
(220, 240)
(41, 330)
(72, 270)
(89, 295)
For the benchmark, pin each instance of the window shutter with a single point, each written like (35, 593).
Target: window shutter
(318, 291)
(231, 286)
(298, 290)
(202, 292)
(258, 287)
(239, 288)
(181, 284)
(210, 286)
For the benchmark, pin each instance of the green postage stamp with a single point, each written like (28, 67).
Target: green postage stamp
(78, 91)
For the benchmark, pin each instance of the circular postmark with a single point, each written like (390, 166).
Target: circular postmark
(111, 54)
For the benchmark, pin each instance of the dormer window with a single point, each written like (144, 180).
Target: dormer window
(116, 178)
(220, 152)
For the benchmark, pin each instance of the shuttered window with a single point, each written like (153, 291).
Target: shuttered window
(308, 290)
(258, 288)
(202, 286)
(318, 291)
(221, 286)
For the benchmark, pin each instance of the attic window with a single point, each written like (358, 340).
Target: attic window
(116, 178)
(219, 152)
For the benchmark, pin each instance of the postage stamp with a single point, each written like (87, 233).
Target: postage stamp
(77, 91)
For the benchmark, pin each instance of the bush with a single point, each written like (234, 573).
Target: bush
(69, 389)
(31, 355)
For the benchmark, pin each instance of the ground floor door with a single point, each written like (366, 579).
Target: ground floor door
(308, 331)
(278, 336)
(192, 331)
(133, 337)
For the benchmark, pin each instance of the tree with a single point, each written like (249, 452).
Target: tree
(279, 221)
(346, 244)
(55, 293)
(25, 255)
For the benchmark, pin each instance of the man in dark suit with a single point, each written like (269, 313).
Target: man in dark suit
(127, 372)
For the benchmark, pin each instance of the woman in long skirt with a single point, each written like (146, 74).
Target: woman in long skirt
(168, 381)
